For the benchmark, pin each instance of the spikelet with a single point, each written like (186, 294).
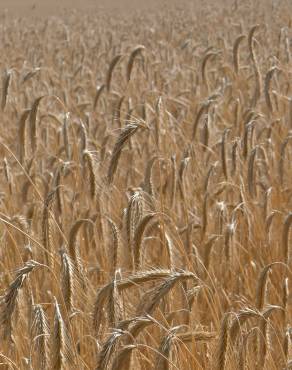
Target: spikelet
(84, 137)
(66, 136)
(204, 109)
(143, 277)
(138, 238)
(22, 136)
(285, 238)
(258, 82)
(282, 158)
(236, 52)
(108, 349)
(115, 246)
(40, 334)
(73, 249)
(268, 79)
(251, 174)
(239, 320)
(9, 299)
(89, 160)
(47, 227)
(223, 340)
(223, 154)
(147, 184)
(128, 131)
(61, 353)
(114, 304)
(207, 57)
(112, 65)
(151, 299)
(138, 49)
(69, 281)
(99, 91)
(8, 174)
(100, 302)
(133, 216)
(5, 88)
(33, 123)
(121, 359)
(163, 357)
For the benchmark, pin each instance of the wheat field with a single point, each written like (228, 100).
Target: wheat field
(146, 197)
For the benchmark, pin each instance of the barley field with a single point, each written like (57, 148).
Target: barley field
(146, 185)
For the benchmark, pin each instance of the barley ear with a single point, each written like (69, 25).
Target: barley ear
(40, 334)
(268, 80)
(89, 160)
(33, 123)
(112, 65)
(22, 136)
(5, 88)
(222, 347)
(9, 300)
(99, 91)
(61, 354)
(138, 49)
(285, 238)
(123, 357)
(236, 52)
(128, 131)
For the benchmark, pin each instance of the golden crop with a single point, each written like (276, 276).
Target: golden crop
(146, 188)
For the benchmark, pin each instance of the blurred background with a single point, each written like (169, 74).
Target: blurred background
(53, 7)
